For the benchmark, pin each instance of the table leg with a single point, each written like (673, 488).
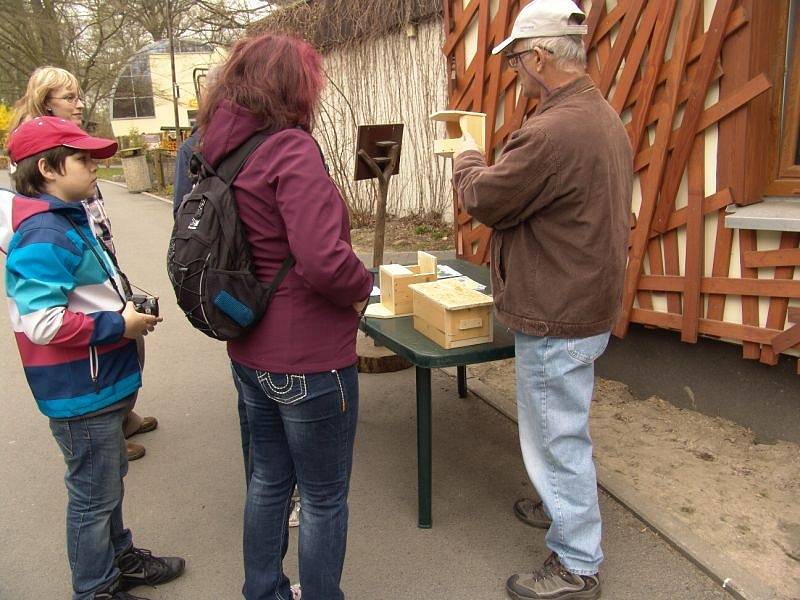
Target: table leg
(462, 380)
(424, 446)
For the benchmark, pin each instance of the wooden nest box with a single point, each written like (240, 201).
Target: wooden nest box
(452, 313)
(457, 123)
(396, 300)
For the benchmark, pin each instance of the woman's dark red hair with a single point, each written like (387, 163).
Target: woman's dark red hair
(276, 77)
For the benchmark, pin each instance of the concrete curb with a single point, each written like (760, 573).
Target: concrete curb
(148, 194)
(714, 562)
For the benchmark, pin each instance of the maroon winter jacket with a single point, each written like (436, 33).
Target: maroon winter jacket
(289, 204)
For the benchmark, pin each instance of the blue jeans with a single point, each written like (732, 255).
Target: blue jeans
(555, 379)
(94, 450)
(244, 428)
(302, 429)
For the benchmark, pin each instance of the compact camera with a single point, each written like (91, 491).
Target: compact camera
(145, 304)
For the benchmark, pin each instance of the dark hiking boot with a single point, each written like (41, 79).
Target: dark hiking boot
(553, 582)
(140, 567)
(113, 592)
(531, 512)
(120, 595)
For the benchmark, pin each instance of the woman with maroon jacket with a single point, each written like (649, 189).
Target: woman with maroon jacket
(296, 369)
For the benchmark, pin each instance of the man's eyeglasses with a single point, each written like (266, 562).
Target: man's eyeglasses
(71, 98)
(513, 58)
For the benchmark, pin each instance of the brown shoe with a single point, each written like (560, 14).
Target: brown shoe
(531, 512)
(146, 425)
(135, 451)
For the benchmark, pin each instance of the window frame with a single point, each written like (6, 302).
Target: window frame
(141, 65)
(784, 178)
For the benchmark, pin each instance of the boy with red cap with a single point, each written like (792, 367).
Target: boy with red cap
(76, 336)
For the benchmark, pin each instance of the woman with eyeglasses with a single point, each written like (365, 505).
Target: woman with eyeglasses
(56, 92)
(51, 92)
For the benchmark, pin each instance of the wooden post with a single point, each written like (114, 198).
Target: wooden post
(383, 174)
(158, 165)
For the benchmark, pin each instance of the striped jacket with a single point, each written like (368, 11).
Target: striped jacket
(64, 309)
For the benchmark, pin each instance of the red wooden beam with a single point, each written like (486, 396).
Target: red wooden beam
(695, 242)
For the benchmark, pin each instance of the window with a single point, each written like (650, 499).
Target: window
(786, 175)
(790, 130)
(133, 95)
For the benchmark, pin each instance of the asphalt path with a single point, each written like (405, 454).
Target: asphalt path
(186, 495)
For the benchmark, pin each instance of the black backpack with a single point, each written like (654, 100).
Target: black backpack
(208, 259)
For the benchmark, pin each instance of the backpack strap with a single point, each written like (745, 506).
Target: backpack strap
(231, 163)
(286, 266)
(229, 168)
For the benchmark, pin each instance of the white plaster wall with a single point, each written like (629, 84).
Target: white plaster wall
(396, 79)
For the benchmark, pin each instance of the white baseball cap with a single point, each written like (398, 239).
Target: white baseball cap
(545, 18)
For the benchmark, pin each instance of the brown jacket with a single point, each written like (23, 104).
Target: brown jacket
(559, 202)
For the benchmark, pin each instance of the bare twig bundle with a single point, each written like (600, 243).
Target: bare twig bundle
(334, 23)
(380, 69)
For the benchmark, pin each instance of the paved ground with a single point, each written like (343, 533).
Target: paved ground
(186, 495)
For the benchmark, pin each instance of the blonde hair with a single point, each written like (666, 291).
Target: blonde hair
(41, 84)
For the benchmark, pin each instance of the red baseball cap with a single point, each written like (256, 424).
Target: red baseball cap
(44, 133)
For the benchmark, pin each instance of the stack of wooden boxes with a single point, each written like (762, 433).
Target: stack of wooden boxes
(451, 312)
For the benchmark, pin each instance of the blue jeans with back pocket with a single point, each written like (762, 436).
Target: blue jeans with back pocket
(555, 380)
(302, 429)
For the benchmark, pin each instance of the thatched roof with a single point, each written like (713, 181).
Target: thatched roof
(329, 24)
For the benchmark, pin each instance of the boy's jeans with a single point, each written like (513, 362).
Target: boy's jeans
(94, 450)
(302, 429)
(555, 379)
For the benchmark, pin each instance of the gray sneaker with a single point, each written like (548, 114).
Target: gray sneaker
(553, 582)
(531, 512)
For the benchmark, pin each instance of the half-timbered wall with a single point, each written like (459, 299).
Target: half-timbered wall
(694, 85)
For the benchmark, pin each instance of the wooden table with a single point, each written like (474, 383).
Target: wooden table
(399, 336)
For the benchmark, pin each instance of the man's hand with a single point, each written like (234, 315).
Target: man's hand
(138, 324)
(467, 142)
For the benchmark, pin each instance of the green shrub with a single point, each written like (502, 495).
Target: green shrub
(135, 138)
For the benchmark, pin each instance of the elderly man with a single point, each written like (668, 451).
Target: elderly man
(558, 200)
